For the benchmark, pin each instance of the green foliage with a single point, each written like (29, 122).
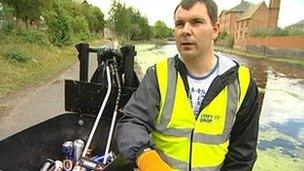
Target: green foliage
(120, 18)
(128, 22)
(7, 26)
(140, 27)
(226, 39)
(30, 36)
(28, 11)
(25, 64)
(59, 27)
(94, 17)
(80, 27)
(64, 21)
(76, 18)
(161, 30)
(224, 35)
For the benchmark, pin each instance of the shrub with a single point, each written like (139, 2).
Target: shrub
(225, 39)
(80, 27)
(59, 27)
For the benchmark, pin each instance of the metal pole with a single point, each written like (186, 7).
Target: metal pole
(100, 112)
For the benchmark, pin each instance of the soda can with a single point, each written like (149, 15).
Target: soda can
(47, 165)
(79, 168)
(58, 166)
(68, 155)
(78, 147)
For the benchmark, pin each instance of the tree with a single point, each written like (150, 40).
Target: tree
(140, 27)
(57, 20)
(128, 22)
(120, 18)
(28, 11)
(95, 18)
(161, 30)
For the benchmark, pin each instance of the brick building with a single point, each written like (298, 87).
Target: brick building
(247, 17)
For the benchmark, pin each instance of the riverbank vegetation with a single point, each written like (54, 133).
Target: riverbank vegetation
(129, 24)
(37, 39)
(290, 60)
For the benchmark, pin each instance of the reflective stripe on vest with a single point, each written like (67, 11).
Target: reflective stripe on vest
(176, 121)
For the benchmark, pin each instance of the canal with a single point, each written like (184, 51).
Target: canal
(281, 87)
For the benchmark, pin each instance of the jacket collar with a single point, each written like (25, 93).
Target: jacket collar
(225, 63)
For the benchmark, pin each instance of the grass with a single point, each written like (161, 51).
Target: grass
(290, 60)
(24, 64)
(42, 63)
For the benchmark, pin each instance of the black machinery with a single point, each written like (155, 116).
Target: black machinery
(100, 99)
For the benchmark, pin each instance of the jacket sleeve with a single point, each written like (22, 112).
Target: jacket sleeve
(138, 121)
(243, 139)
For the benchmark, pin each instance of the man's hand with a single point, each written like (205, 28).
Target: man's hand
(150, 161)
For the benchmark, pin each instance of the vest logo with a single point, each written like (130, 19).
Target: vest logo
(207, 118)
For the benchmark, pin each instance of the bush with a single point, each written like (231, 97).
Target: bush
(84, 36)
(80, 28)
(225, 39)
(59, 27)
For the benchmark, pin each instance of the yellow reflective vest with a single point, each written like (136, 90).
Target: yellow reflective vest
(198, 143)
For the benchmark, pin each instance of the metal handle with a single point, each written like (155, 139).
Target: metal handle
(100, 112)
(114, 114)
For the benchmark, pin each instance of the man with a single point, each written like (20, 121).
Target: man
(196, 111)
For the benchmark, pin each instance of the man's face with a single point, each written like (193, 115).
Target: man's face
(194, 32)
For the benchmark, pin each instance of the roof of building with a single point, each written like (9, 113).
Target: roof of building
(222, 12)
(251, 11)
(298, 23)
(243, 6)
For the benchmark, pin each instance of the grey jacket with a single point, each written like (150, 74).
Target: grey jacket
(140, 112)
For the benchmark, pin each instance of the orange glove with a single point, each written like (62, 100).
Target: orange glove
(151, 161)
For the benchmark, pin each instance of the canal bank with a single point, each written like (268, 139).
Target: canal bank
(289, 60)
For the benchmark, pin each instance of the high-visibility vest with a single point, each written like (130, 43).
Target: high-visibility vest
(185, 141)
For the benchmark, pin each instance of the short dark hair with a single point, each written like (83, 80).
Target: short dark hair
(210, 4)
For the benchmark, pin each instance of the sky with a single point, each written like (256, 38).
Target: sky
(163, 9)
